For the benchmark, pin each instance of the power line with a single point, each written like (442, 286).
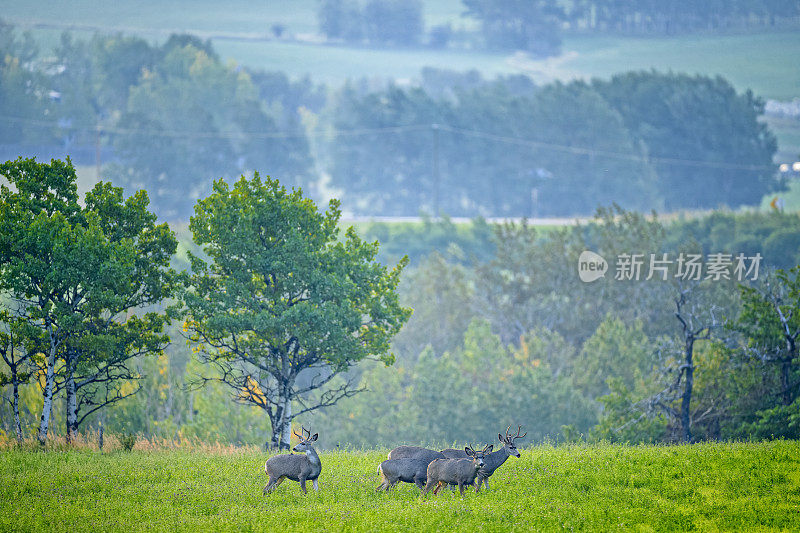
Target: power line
(332, 133)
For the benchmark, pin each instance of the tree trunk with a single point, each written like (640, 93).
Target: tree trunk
(686, 400)
(282, 426)
(44, 421)
(72, 407)
(17, 424)
(286, 437)
(786, 393)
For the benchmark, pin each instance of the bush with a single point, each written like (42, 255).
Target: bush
(127, 440)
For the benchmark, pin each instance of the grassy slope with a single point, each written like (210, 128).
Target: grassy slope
(709, 486)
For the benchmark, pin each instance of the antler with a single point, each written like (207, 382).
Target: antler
(518, 436)
(486, 448)
(508, 438)
(306, 432)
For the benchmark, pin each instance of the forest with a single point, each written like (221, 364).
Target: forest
(156, 117)
(206, 285)
(102, 325)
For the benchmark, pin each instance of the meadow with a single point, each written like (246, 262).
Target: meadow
(602, 487)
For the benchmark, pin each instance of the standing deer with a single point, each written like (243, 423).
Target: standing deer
(459, 472)
(415, 452)
(295, 467)
(405, 470)
(493, 460)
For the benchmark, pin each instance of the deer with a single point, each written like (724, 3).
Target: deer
(295, 467)
(405, 470)
(461, 472)
(415, 452)
(494, 460)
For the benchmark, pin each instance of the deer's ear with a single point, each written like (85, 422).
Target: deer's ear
(314, 438)
(500, 437)
(469, 451)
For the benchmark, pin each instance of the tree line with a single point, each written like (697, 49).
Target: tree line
(518, 338)
(537, 26)
(174, 116)
(277, 306)
(503, 330)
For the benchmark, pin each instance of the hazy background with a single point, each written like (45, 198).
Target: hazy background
(543, 109)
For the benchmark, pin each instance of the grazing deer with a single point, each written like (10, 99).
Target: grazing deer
(415, 452)
(405, 470)
(459, 472)
(493, 460)
(295, 467)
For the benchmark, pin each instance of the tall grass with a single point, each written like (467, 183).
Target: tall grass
(715, 486)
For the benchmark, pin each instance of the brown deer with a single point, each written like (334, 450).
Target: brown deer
(494, 460)
(295, 467)
(461, 472)
(405, 470)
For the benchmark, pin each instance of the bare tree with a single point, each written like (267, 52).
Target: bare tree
(698, 319)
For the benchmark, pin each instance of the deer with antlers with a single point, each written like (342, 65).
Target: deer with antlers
(295, 467)
(491, 461)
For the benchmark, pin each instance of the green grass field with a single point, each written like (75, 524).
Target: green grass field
(707, 487)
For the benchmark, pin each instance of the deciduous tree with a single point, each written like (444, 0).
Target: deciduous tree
(283, 306)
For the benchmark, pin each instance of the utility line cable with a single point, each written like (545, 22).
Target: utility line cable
(577, 150)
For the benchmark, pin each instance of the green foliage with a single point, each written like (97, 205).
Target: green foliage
(127, 440)
(703, 119)
(624, 419)
(281, 294)
(497, 152)
(748, 233)
(781, 421)
(442, 296)
(23, 90)
(76, 273)
(515, 25)
(615, 350)
(464, 396)
(379, 22)
(600, 488)
(223, 130)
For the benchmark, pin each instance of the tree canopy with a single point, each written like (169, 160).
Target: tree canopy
(282, 307)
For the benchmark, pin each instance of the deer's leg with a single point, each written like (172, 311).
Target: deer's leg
(420, 483)
(316, 485)
(486, 484)
(273, 482)
(438, 488)
(303, 485)
(428, 486)
(461, 488)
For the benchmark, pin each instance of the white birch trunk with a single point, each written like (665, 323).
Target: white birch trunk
(44, 421)
(286, 437)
